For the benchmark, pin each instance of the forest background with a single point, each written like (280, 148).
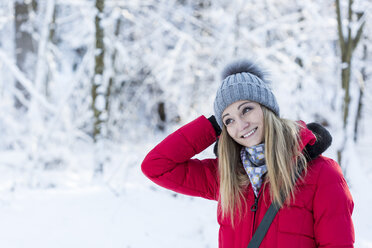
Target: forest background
(88, 87)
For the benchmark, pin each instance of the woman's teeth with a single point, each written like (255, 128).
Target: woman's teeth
(250, 133)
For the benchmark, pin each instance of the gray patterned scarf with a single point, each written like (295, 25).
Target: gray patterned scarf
(253, 159)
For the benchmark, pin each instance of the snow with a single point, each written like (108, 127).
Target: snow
(95, 217)
(72, 207)
(51, 191)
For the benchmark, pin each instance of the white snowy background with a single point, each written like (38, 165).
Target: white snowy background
(62, 186)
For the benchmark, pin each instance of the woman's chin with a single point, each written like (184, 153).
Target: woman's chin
(249, 143)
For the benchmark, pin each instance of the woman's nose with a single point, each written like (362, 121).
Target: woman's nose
(242, 124)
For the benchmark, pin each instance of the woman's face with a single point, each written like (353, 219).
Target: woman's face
(244, 122)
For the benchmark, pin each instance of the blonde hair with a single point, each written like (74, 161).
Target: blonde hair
(283, 160)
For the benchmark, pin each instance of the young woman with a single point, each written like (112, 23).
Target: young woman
(261, 158)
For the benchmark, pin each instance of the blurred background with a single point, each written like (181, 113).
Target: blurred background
(88, 87)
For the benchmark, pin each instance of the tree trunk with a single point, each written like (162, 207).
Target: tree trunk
(361, 94)
(345, 77)
(52, 39)
(112, 77)
(347, 47)
(162, 116)
(98, 70)
(24, 48)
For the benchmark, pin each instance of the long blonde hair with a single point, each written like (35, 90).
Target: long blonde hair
(283, 158)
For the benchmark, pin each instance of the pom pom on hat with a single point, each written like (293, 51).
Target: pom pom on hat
(243, 65)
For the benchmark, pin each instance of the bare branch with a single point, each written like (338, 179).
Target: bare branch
(42, 49)
(26, 83)
(349, 39)
(358, 35)
(339, 26)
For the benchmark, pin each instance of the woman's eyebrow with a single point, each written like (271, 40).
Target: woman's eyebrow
(243, 104)
(238, 108)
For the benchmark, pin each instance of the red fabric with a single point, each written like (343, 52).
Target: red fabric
(320, 216)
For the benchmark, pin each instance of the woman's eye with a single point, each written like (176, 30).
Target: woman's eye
(228, 121)
(246, 110)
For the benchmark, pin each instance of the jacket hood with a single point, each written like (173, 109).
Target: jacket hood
(322, 142)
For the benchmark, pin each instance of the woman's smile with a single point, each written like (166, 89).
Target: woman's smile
(250, 133)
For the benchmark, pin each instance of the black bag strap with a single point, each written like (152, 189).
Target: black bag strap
(266, 221)
(264, 226)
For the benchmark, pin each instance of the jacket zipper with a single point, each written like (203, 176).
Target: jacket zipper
(254, 208)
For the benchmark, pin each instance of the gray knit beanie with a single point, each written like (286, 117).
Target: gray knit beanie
(243, 80)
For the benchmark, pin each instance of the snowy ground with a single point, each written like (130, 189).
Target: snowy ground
(73, 208)
(124, 209)
(94, 217)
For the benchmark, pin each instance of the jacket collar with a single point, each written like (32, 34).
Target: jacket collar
(306, 136)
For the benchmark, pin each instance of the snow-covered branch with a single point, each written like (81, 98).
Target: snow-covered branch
(26, 83)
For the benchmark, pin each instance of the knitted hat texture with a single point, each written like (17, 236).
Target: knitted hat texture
(243, 80)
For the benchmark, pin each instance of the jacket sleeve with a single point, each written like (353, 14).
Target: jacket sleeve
(333, 207)
(170, 163)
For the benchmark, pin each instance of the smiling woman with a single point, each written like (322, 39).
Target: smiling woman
(263, 159)
(244, 122)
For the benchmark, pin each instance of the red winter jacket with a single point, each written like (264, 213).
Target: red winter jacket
(319, 217)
